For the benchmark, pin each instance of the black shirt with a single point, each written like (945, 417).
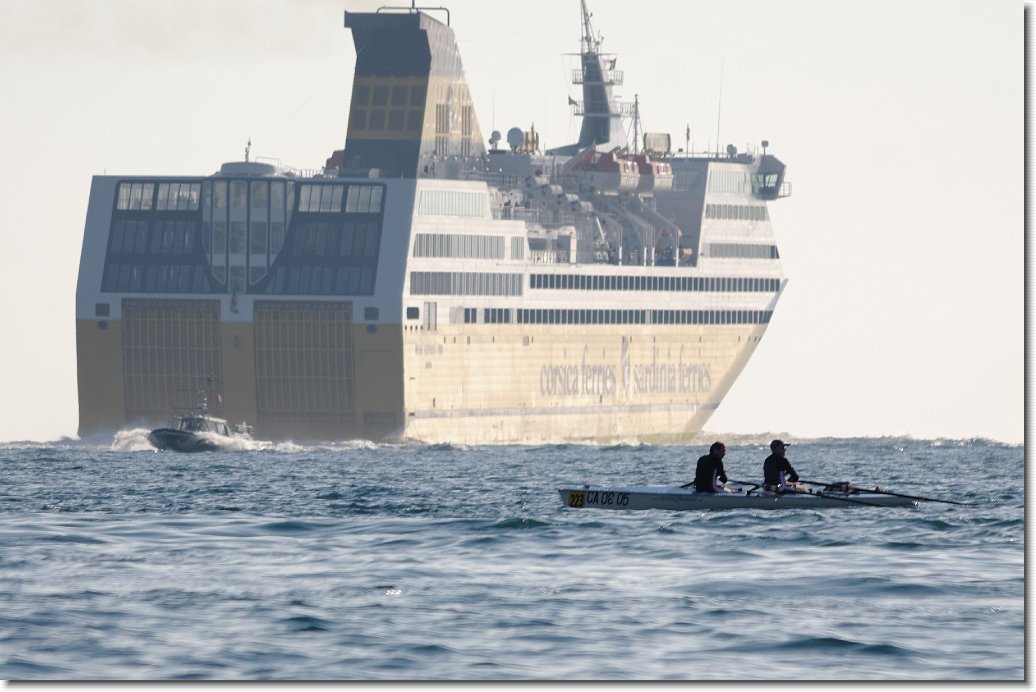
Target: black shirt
(708, 470)
(774, 466)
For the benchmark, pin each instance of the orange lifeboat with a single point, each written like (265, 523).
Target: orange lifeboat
(654, 175)
(604, 171)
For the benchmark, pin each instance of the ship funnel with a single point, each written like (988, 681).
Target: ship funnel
(411, 112)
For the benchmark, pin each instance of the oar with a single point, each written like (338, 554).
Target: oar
(908, 497)
(843, 499)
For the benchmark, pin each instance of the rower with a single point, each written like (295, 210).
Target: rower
(709, 472)
(778, 475)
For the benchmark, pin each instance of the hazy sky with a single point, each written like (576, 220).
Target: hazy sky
(901, 122)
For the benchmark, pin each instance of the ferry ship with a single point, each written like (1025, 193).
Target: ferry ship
(423, 286)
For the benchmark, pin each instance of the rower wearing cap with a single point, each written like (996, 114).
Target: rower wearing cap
(778, 475)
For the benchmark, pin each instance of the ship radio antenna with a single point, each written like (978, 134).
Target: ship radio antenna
(636, 124)
(719, 110)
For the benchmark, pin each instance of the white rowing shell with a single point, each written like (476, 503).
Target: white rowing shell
(671, 497)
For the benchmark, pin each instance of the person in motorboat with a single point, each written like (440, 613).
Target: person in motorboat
(778, 474)
(710, 472)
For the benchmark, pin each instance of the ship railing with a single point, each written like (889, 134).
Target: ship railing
(616, 107)
(292, 172)
(517, 213)
(493, 178)
(316, 172)
(537, 215)
(613, 77)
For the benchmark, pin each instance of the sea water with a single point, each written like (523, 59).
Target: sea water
(415, 562)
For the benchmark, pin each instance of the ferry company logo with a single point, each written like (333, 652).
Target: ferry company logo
(584, 377)
(589, 378)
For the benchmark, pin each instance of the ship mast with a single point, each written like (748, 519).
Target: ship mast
(636, 124)
(591, 44)
(602, 115)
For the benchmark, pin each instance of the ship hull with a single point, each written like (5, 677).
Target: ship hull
(180, 441)
(466, 384)
(656, 384)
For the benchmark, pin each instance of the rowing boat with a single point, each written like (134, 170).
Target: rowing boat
(676, 498)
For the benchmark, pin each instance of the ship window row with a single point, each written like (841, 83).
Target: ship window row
(262, 192)
(321, 280)
(559, 316)
(583, 317)
(136, 237)
(178, 196)
(496, 316)
(765, 182)
(711, 316)
(736, 212)
(379, 94)
(173, 196)
(328, 198)
(724, 284)
(155, 278)
(458, 246)
(518, 248)
(452, 203)
(382, 119)
(257, 237)
(387, 106)
(330, 240)
(126, 277)
(465, 284)
(729, 181)
(743, 251)
(232, 277)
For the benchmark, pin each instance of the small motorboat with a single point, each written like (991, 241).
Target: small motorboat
(197, 431)
(678, 498)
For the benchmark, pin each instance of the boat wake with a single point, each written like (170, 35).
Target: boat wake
(136, 440)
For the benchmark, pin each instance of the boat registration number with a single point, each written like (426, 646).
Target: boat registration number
(597, 498)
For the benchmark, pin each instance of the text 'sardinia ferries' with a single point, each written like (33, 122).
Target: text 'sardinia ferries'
(424, 287)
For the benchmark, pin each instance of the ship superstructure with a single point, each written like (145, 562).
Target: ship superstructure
(421, 286)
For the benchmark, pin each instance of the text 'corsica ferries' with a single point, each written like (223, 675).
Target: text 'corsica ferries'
(421, 286)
